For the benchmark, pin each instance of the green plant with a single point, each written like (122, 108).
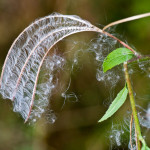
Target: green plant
(116, 57)
(29, 52)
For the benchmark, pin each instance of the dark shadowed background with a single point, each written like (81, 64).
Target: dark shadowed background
(76, 127)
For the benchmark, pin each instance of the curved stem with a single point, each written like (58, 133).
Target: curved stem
(134, 111)
(121, 42)
(127, 19)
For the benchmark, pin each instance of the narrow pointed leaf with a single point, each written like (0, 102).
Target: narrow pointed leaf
(117, 57)
(144, 146)
(116, 104)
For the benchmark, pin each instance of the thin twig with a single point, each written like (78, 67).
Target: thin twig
(122, 43)
(136, 139)
(131, 122)
(126, 20)
(134, 111)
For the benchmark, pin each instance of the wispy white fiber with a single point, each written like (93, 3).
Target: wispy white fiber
(19, 77)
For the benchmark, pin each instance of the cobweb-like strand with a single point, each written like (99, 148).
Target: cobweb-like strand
(25, 58)
(45, 86)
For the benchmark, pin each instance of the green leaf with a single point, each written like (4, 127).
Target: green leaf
(116, 104)
(144, 146)
(117, 57)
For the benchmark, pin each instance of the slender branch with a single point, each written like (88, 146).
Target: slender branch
(136, 139)
(131, 122)
(134, 111)
(121, 42)
(126, 20)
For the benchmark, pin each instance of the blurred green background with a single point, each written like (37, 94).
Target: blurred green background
(76, 127)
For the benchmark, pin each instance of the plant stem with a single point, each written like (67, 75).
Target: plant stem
(121, 42)
(131, 122)
(134, 111)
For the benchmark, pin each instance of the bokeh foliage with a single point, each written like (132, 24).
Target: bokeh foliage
(76, 127)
